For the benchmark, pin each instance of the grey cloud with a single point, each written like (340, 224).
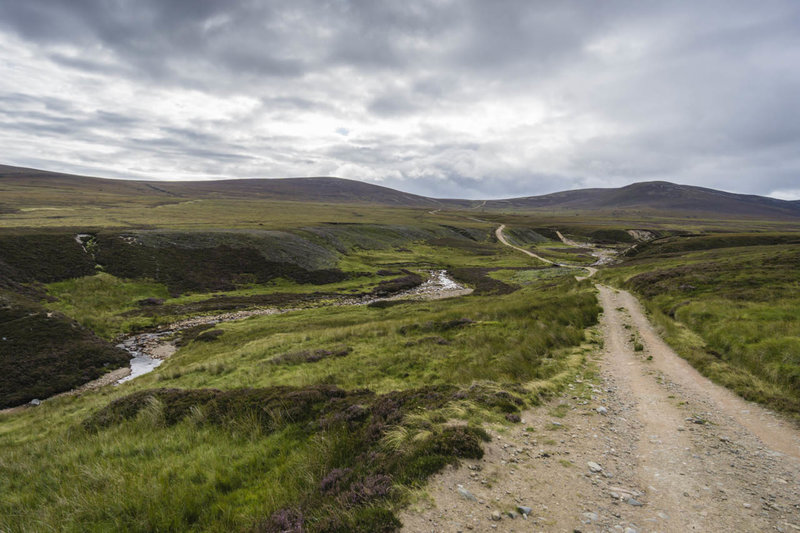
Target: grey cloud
(395, 103)
(699, 93)
(87, 65)
(294, 103)
(115, 119)
(12, 100)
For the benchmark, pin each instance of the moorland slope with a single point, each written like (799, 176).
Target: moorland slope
(23, 187)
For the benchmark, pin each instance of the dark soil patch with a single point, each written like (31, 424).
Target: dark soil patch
(549, 233)
(610, 236)
(150, 301)
(209, 336)
(217, 268)
(281, 299)
(687, 243)
(468, 233)
(683, 278)
(392, 286)
(187, 335)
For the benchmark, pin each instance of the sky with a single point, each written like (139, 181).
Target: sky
(445, 98)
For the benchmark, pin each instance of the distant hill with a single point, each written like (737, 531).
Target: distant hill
(656, 196)
(317, 189)
(23, 185)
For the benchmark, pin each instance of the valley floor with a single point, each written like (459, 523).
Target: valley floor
(670, 451)
(632, 438)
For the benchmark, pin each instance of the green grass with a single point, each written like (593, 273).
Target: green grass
(399, 347)
(197, 456)
(98, 302)
(53, 212)
(108, 304)
(561, 253)
(237, 474)
(178, 478)
(330, 416)
(420, 254)
(528, 277)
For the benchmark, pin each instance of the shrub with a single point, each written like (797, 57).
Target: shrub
(310, 356)
(458, 441)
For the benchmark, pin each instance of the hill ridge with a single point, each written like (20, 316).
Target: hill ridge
(656, 195)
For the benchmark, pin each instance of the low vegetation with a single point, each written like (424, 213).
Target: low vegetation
(44, 353)
(43, 257)
(324, 418)
(345, 410)
(695, 242)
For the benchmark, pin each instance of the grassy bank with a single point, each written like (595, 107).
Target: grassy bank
(732, 311)
(114, 282)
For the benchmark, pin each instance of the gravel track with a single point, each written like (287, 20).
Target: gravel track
(673, 452)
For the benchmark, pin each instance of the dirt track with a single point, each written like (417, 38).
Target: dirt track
(776, 433)
(676, 453)
(502, 238)
(739, 466)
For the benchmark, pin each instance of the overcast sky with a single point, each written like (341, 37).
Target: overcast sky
(448, 98)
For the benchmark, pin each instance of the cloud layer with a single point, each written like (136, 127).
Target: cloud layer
(446, 98)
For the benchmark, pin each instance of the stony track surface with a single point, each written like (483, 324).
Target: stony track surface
(647, 444)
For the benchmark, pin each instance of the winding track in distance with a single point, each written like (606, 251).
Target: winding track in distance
(502, 238)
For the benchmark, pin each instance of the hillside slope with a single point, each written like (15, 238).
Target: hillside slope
(30, 182)
(22, 187)
(656, 195)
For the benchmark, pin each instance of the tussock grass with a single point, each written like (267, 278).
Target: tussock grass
(177, 461)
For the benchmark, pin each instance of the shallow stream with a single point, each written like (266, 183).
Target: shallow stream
(147, 352)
